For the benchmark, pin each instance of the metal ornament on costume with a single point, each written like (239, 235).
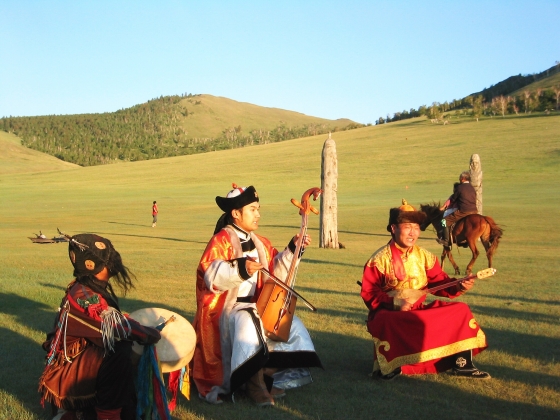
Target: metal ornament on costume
(405, 214)
(89, 253)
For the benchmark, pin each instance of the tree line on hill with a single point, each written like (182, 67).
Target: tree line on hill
(147, 131)
(495, 100)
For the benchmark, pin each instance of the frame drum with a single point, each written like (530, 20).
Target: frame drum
(178, 339)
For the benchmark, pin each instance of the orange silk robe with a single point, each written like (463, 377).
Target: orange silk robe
(207, 360)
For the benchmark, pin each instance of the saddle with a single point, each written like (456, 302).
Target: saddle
(453, 238)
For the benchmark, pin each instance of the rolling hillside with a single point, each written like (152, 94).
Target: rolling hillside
(209, 116)
(546, 83)
(515, 85)
(15, 158)
(163, 127)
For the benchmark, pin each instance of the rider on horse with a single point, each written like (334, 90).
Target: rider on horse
(464, 198)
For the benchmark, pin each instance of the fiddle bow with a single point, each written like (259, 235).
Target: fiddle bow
(276, 304)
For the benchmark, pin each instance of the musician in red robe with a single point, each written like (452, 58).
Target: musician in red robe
(412, 337)
(232, 350)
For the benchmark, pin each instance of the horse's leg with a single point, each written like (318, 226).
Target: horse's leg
(486, 245)
(443, 254)
(474, 250)
(450, 256)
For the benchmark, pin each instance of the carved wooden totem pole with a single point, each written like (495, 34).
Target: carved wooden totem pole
(476, 180)
(328, 224)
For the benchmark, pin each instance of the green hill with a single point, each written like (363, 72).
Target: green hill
(163, 127)
(518, 309)
(209, 116)
(515, 85)
(522, 93)
(547, 83)
(16, 158)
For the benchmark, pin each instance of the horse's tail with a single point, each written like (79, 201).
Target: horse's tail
(496, 233)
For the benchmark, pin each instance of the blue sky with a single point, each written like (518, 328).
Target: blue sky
(331, 59)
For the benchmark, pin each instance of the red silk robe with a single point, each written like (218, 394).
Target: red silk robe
(76, 348)
(418, 340)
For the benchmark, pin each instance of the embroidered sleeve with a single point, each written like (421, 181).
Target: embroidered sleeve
(221, 270)
(429, 258)
(373, 282)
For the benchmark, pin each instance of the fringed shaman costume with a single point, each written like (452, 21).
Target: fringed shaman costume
(429, 338)
(231, 346)
(88, 362)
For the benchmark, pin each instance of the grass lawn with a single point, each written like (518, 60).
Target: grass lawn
(518, 309)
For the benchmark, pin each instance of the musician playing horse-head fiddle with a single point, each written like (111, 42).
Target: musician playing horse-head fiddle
(88, 363)
(464, 200)
(411, 337)
(232, 350)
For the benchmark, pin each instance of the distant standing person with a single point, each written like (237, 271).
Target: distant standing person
(154, 214)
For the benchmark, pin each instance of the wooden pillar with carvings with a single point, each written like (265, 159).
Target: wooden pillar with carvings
(328, 222)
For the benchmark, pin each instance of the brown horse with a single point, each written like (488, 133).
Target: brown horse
(465, 233)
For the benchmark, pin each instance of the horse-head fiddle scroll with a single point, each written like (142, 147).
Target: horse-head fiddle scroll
(276, 304)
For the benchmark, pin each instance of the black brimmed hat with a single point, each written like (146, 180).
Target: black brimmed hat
(405, 214)
(237, 198)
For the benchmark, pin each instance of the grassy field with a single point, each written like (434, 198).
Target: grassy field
(519, 309)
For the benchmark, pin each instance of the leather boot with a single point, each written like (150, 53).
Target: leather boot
(276, 393)
(257, 391)
(444, 240)
(465, 368)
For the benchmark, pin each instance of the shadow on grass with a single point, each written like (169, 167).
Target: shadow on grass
(130, 305)
(542, 349)
(317, 229)
(355, 293)
(320, 262)
(23, 359)
(21, 365)
(53, 286)
(513, 314)
(530, 378)
(344, 390)
(129, 224)
(516, 299)
(349, 315)
(150, 237)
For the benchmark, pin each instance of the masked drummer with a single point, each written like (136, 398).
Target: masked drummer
(88, 361)
(409, 336)
(232, 351)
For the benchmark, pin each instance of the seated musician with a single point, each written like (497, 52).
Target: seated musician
(88, 363)
(464, 199)
(411, 337)
(231, 349)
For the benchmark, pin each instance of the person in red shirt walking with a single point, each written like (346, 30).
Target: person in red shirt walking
(154, 214)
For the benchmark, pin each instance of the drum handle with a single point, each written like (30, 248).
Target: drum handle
(164, 323)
